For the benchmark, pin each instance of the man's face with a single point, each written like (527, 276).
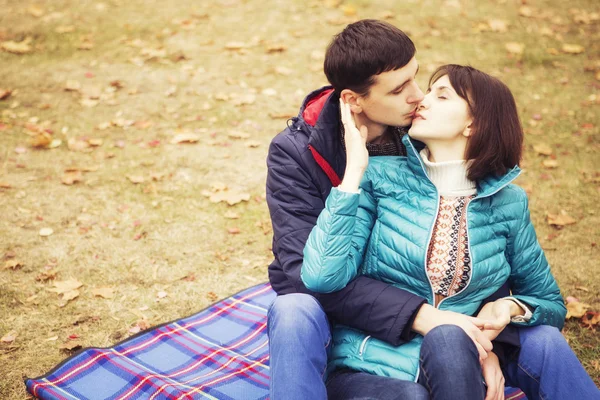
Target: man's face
(393, 97)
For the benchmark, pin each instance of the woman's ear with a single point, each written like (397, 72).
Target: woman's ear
(468, 129)
(353, 99)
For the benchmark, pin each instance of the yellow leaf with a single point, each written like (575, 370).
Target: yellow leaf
(46, 232)
(36, 11)
(62, 287)
(185, 138)
(103, 292)
(70, 295)
(16, 47)
(497, 25)
(576, 309)
(72, 177)
(136, 179)
(12, 264)
(515, 48)
(543, 149)
(238, 135)
(231, 197)
(550, 163)
(561, 219)
(9, 337)
(525, 11)
(235, 45)
(349, 10)
(572, 48)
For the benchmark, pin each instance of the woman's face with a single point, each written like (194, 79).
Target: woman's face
(442, 116)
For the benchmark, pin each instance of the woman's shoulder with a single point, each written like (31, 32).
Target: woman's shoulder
(386, 167)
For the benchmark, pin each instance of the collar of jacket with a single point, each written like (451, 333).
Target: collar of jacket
(324, 134)
(488, 186)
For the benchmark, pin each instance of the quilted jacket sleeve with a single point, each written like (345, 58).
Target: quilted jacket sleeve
(530, 278)
(336, 245)
(380, 309)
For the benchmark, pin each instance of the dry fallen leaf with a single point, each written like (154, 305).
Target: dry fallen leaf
(235, 45)
(550, 164)
(497, 25)
(276, 48)
(252, 144)
(104, 292)
(70, 295)
(9, 337)
(542, 149)
(572, 48)
(591, 318)
(5, 93)
(515, 48)
(576, 309)
(71, 345)
(233, 231)
(561, 219)
(62, 287)
(231, 197)
(185, 138)
(136, 179)
(525, 11)
(16, 47)
(75, 144)
(238, 135)
(46, 232)
(72, 177)
(12, 264)
(161, 294)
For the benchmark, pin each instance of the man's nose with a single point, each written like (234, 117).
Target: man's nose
(417, 96)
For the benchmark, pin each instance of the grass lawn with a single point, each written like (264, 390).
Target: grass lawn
(117, 89)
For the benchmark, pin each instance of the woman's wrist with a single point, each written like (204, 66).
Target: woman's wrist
(352, 177)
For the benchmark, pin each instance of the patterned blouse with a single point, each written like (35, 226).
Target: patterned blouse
(448, 259)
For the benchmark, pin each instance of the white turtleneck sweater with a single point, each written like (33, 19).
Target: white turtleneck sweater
(449, 177)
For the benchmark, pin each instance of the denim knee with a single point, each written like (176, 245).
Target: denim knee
(292, 312)
(447, 334)
(542, 338)
(448, 343)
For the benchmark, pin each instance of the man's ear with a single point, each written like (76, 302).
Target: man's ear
(352, 98)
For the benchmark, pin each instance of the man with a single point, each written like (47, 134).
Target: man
(372, 66)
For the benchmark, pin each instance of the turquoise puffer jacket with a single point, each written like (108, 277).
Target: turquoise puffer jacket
(384, 233)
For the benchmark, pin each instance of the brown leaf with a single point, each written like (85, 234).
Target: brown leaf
(185, 138)
(252, 144)
(238, 135)
(212, 296)
(276, 48)
(136, 179)
(35, 10)
(5, 94)
(72, 177)
(515, 48)
(526, 11)
(82, 145)
(104, 292)
(542, 149)
(16, 47)
(71, 345)
(231, 197)
(497, 25)
(235, 45)
(70, 295)
(46, 232)
(9, 337)
(13, 264)
(41, 140)
(591, 318)
(233, 231)
(550, 163)
(561, 219)
(62, 287)
(5, 185)
(576, 309)
(572, 48)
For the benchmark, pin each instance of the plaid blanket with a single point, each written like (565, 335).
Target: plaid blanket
(218, 353)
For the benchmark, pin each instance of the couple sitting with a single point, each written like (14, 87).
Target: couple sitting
(417, 275)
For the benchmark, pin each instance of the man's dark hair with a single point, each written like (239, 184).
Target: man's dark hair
(364, 49)
(496, 140)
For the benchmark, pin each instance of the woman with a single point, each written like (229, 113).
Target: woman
(449, 230)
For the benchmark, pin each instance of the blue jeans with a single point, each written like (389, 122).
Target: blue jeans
(299, 339)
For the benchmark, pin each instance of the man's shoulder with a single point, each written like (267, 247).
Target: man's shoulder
(292, 141)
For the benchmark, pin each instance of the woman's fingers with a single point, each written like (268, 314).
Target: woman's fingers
(364, 133)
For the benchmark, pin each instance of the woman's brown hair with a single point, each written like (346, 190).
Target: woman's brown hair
(496, 140)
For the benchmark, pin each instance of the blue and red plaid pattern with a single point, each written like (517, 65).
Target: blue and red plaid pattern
(220, 353)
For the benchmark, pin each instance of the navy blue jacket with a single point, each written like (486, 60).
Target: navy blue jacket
(304, 162)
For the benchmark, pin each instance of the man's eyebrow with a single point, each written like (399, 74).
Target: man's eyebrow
(397, 88)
